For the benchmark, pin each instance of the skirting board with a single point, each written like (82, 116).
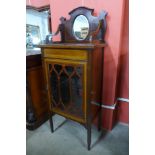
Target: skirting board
(123, 99)
(113, 106)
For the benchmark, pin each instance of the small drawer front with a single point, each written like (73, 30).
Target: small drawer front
(65, 54)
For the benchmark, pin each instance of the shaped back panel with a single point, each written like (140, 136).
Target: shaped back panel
(97, 25)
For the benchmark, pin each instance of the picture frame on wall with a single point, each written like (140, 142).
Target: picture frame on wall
(32, 35)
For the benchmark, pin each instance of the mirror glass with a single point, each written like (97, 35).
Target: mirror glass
(81, 27)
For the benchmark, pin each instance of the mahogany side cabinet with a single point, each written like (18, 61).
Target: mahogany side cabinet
(73, 68)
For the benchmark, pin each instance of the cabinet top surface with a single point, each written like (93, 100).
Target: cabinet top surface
(73, 45)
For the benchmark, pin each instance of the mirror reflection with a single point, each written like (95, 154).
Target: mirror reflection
(81, 27)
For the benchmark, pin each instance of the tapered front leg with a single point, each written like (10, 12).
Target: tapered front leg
(89, 136)
(51, 123)
(99, 118)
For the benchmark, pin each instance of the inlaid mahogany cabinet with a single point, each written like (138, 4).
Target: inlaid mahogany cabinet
(73, 68)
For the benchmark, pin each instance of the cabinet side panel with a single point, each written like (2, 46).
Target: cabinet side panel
(97, 69)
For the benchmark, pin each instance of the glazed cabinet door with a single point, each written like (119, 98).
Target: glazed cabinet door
(67, 88)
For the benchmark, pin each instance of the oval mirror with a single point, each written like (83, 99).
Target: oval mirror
(80, 27)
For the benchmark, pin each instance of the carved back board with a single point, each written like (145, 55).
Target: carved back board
(97, 26)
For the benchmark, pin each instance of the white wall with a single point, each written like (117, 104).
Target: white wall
(38, 19)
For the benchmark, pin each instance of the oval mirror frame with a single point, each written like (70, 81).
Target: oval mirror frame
(81, 27)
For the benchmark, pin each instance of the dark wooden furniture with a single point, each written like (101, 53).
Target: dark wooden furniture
(36, 98)
(73, 68)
